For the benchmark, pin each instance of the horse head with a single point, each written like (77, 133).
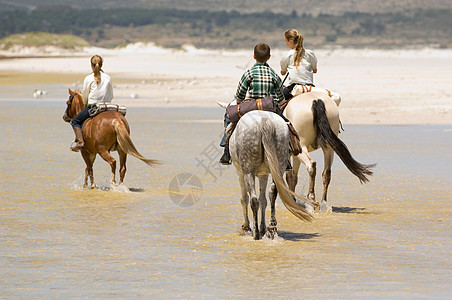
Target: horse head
(74, 105)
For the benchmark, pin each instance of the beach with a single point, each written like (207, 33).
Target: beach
(410, 86)
(386, 239)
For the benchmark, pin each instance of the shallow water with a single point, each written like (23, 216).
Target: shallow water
(389, 238)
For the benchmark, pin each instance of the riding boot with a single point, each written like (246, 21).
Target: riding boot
(79, 143)
(226, 158)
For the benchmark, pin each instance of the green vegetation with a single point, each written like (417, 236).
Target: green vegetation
(38, 39)
(232, 29)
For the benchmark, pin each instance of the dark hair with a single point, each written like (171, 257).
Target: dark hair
(262, 52)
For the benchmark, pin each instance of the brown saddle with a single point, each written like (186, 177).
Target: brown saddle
(235, 112)
(99, 107)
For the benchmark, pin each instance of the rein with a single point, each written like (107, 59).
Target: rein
(285, 77)
(68, 108)
(71, 97)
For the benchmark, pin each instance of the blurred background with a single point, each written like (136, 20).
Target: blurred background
(231, 24)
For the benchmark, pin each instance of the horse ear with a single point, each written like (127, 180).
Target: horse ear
(222, 104)
(70, 92)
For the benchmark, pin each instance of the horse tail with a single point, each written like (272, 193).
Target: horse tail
(327, 138)
(126, 144)
(269, 141)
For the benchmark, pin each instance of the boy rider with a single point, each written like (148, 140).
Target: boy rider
(259, 81)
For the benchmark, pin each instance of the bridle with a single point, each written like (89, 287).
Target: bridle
(68, 108)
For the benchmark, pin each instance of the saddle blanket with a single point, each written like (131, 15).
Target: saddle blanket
(97, 108)
(235, 112)
(300, 89)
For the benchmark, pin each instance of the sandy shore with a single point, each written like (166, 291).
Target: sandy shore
(377, 87)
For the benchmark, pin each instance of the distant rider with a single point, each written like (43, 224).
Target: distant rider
(97, 87)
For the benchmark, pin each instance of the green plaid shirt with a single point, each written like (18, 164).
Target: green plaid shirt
(261, 80)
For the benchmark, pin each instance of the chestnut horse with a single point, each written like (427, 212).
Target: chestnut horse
(107, 131)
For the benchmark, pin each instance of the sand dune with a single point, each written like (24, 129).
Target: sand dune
(409, 86)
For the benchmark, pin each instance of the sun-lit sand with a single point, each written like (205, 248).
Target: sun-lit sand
(377, 86)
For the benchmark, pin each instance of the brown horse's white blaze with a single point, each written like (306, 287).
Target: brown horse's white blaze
(105, 132)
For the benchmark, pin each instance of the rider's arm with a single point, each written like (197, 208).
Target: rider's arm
(284, 63)
(242, 88)
(86, 89)
(313, 61)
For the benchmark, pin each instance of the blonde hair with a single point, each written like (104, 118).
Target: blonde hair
(96, 65)
(297, 38)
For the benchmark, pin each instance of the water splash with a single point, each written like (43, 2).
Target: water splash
(106, 185)
(121, 188)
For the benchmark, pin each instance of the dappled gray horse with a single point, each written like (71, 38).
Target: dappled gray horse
(259, 146)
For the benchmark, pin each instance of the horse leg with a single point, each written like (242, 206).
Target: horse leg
(328, 156)
(244, 200)
(310, 164)
(263, 201)
(290, 175)
(91, 173)
(89, 161)
(272, 226)
(250, 186)
(111, 161)
(122, 165)
(311, 167)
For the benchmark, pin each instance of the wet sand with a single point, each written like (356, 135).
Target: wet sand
(387, 239)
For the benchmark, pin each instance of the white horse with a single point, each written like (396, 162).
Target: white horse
(259, 146)
(315, 117)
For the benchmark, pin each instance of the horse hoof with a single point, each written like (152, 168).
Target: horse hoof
(324, 208)
(316, 207)
(257, 236)
(271, 232)
(245, 230)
